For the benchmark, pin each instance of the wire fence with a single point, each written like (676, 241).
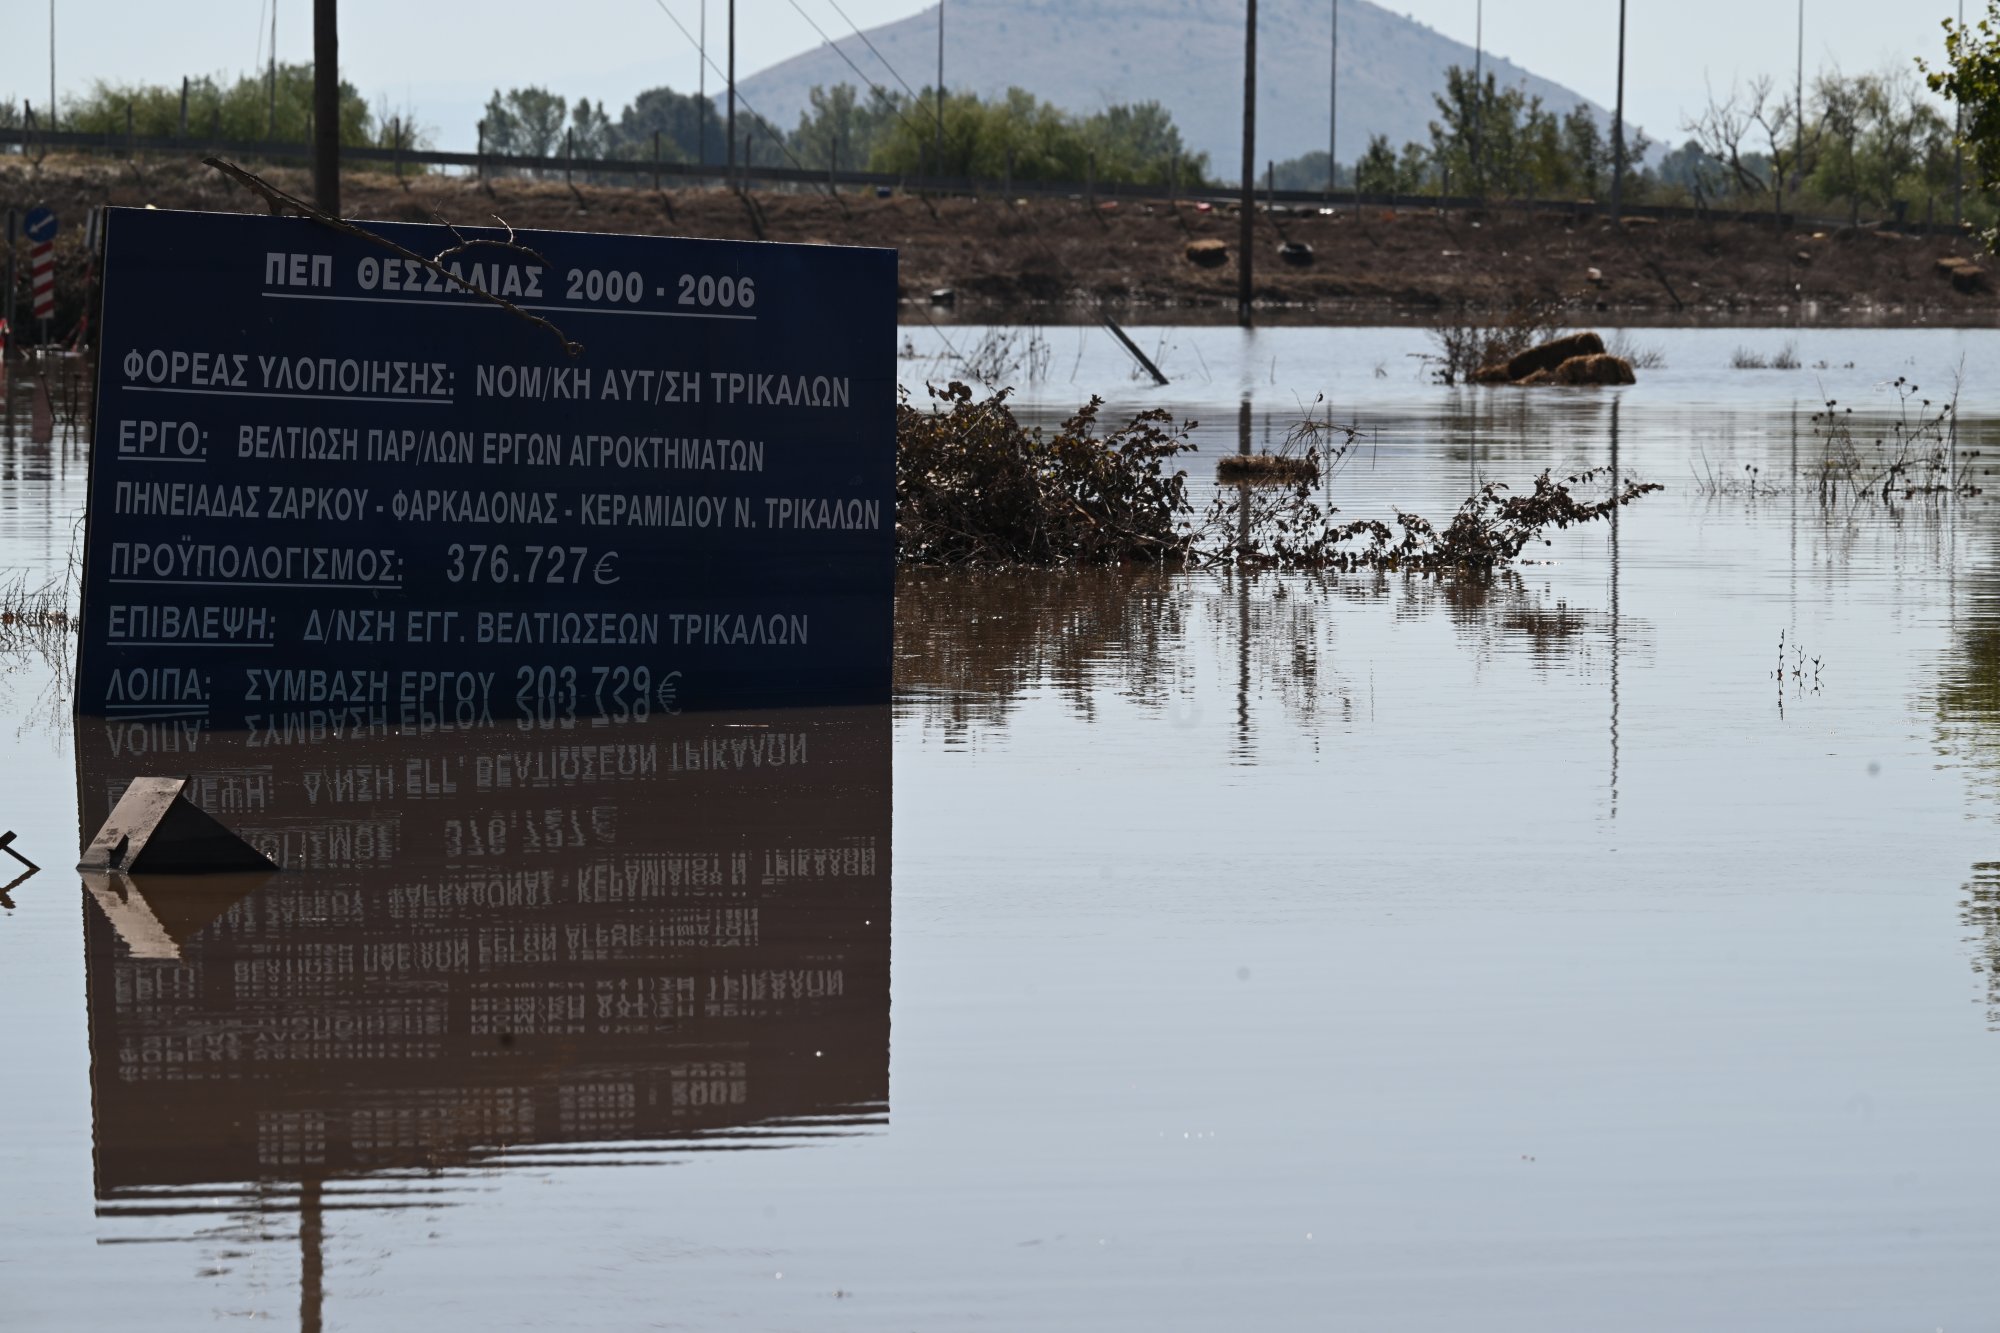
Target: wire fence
(659, 173)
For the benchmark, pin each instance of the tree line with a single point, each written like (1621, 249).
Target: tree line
(900, 133)
(274, 105)
(1844, 143)
(1848, 143)
(1016, 134)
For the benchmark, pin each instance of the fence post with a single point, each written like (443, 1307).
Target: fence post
(1173, 180)
(743, 175)
(1008, 185)
(832, 166)
(1090, 178)
(396, 144)
(656, 161)
(184, 106)
(131, 144)
(479, 164)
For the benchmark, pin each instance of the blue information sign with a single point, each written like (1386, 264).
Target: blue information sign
(328, 483)
(39, 225)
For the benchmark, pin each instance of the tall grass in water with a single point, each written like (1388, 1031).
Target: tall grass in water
(1786, 358)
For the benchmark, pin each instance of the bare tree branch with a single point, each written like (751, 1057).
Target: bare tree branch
(280, 203)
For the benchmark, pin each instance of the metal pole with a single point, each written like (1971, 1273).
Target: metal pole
(52, 64)
(326, 105)
(729, 131)
(1249, 203)
(1618, 127)
(1799, 150)
(1958, 149)
(701, 82)
(938, 154)
(184, 106)
(1478, 94)
(1332, 102)
(271, 116)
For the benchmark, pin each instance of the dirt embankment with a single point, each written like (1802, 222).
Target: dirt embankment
(1053, 259)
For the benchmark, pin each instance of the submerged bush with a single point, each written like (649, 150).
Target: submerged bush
(1490, 529)
(975, 487)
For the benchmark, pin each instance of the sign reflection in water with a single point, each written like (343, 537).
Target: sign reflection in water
(493, 946)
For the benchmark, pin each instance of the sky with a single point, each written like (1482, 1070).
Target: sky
(440, 62)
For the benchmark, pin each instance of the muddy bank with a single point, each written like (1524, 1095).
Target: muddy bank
(1051, 260)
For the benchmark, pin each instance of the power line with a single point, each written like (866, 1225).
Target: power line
(871, 46)
(871, 84)
(777, 135)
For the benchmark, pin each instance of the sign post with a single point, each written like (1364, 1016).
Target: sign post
(330, 483)
(40, 228)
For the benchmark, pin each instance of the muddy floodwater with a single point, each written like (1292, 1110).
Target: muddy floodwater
(1611, 943)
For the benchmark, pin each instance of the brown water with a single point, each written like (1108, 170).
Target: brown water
(1267, 951)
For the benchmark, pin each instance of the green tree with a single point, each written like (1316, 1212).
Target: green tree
(840, 129)
(680, 119)
(240, 110)
(525, 122)
(1970, 77)
(1129, 144)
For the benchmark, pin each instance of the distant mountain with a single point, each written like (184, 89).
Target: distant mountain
(1187, 54)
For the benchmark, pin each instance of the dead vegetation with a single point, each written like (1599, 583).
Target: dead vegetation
(1914, 455)
(1911, 454)
(1489, 531)
(975, 489)
(1468, 339)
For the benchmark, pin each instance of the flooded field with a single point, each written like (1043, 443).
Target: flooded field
(1611, 943)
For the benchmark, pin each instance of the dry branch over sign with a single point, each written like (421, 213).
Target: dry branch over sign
(281, 203)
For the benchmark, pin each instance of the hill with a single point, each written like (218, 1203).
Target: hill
(1187, 54)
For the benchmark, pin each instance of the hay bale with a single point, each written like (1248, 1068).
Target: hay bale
(1539, 377)
(1947, 265)
(1597, 368)
(1969, 279)
(1552, 354)
(1493, 374)
(1207, 253)
(1266, 469)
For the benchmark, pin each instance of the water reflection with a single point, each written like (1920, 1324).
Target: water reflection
(505, 947)
(971, 648)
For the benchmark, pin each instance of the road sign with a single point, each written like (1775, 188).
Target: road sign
(40, 228)
(330, 483)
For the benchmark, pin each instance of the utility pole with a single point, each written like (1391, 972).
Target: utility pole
(701, 82)
(271, 116)
(52, 64)
(1478, 94)
(729, 130)
(1958, 148)
(326, 106)
(1618, 127)
(937, 146)
(1333, 103)
(1799, 150)
(1249, 209)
